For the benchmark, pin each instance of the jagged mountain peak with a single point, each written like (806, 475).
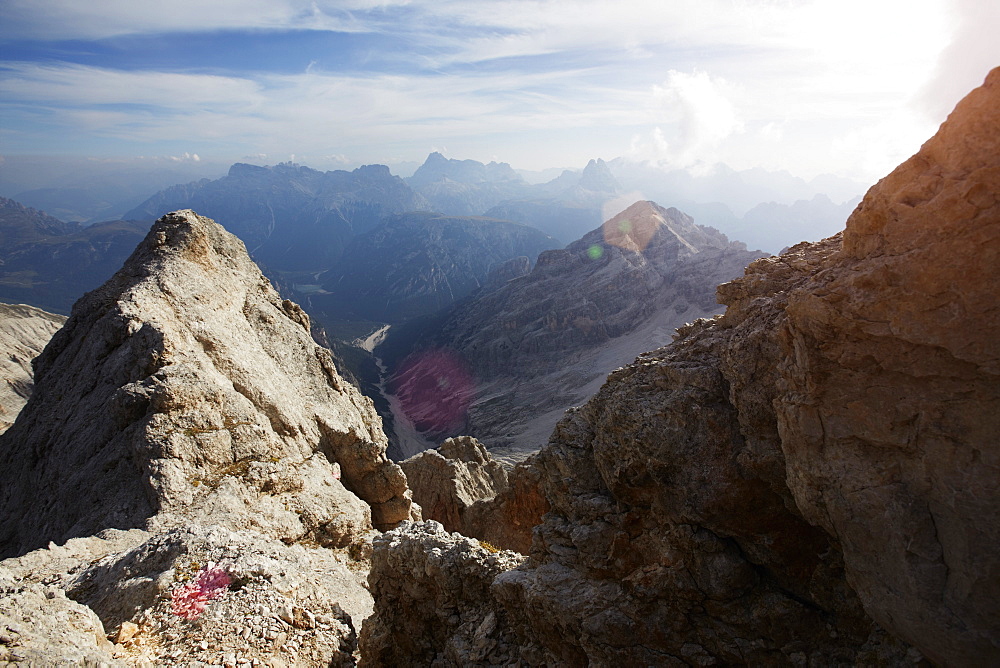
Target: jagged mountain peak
(646, 224)
(184, 388)
(439, 168)
(539, 343)
(597, 176)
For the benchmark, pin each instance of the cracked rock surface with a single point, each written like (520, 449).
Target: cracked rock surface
(184, 389)
(461, 486)
(432, 590)
(206, 484)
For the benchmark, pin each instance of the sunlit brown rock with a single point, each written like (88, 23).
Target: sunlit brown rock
(812, 478)
(462, 487)
(889, 407)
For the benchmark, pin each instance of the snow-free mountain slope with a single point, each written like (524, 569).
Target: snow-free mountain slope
(543, 342)
(185, 388)
(811, 478)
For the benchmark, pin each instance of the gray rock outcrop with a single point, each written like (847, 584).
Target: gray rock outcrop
(809, 479)
(131, 598)
(185, 389)
(433, 590)
(447, 480)
(24, 331)
(461, 486)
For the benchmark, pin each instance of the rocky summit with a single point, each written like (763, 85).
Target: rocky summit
(207, 484)
(809, 479)
(186, 388)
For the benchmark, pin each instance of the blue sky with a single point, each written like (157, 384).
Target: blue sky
(849, 87)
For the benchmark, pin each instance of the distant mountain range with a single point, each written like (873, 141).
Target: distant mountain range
(565, 207)
(49, 264)
(418, 263)
(766, 209)
(448, 257)
(91, 190)
(291, 218)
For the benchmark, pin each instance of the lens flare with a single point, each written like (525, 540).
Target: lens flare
(434, 389)
(631, 233)
(595, 252)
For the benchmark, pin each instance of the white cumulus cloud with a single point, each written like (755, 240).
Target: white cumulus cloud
(699, 115)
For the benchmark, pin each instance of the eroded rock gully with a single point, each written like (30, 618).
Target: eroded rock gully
(812, 478)
(24, 331)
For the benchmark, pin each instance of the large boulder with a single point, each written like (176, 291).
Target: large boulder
(461, 486)
(446, 480)
(434, 602)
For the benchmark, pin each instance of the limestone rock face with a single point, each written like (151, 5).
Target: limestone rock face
(449, 479)
(186, 389)
(77, 639)
(672, 545)
(810, 479)
(507, 519)
(894, 452)
(24, 331)
(434, 602)
(461, 486)
(130, 598)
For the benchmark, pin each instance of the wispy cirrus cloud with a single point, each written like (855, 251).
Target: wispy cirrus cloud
(794, 84)
(78, 85)
(284, 113)
(68, 19)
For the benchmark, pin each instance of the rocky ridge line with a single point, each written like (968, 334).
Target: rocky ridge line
(192, 446)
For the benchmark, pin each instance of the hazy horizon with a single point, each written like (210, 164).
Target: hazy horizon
(809, 87)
